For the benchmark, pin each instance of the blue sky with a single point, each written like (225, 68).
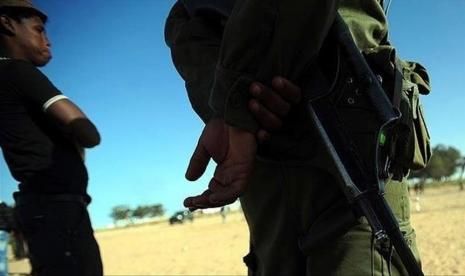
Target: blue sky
(110, 58)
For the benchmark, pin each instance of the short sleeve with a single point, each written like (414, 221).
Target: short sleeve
(32, 85)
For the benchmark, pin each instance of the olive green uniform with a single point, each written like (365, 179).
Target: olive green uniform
(290, 195)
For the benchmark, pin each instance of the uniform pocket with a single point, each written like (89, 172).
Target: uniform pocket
(413, 149)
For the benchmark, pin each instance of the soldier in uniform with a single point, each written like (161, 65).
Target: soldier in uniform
(42, 135)
(286, 193)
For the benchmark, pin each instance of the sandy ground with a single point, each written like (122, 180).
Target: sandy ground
(209, 247)
(440, 227)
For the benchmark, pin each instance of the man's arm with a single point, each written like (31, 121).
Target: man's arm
(194, 42)
(234, 149)
(75, 123)
(262, 39)
(218, 63)
(37, 90)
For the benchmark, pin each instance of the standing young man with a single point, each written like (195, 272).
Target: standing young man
(42, 135)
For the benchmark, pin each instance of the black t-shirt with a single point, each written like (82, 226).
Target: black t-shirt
(37, 151)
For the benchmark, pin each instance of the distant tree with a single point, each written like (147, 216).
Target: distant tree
(452, 157)
(150, 211)
(461, 165)
(443, 164)
(156, 210)
(436, 168)
(121, 212)
(141, 212)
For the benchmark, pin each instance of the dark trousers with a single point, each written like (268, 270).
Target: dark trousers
(60, 238)
(287, 201)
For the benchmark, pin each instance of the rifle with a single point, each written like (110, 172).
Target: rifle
(361, 176)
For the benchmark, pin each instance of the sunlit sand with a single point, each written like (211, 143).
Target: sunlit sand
(210, 247)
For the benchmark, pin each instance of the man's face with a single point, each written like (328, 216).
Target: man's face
(32, 42)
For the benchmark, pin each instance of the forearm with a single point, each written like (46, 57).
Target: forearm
(194, 43)
(84, 132)
(262, 39)
(81, 132)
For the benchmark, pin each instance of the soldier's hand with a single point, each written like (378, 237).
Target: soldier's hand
(234, 151)
(271, 105)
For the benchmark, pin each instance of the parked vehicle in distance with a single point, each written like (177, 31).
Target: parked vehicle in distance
(181, 217)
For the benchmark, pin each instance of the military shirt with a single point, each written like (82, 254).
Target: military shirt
(262, 39)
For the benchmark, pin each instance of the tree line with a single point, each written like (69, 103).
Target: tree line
(445, 162)
(124, 212)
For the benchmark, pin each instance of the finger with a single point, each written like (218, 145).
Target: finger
(198, 162)
(201, 202)
(268, 120)
(287, 90)
(188, 204)
(270, 99)
(227, 196)
(192, 209)
(263, 135)
(198, 202)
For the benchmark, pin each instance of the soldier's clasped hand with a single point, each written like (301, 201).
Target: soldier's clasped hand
(271, 105)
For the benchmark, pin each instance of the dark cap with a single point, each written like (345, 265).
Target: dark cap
(24, 4)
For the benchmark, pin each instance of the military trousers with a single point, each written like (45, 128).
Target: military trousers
(60, 238)
(286, 202)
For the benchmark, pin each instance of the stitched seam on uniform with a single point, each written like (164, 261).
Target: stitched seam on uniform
(53, 100)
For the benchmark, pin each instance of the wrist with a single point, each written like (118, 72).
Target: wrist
(244, 140)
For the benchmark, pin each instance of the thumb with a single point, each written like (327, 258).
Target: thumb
(198, 162)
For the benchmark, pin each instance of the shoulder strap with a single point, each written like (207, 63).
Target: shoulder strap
(386, 6)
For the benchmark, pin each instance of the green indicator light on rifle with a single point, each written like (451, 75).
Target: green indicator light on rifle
(382, 139)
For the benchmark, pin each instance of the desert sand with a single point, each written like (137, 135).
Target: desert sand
(210, 247)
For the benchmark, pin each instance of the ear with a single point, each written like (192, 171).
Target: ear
(6, 25)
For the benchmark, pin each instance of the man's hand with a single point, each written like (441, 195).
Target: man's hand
(271, 105)
(233, 150)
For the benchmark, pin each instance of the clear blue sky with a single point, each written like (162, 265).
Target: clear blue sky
(110, 58)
